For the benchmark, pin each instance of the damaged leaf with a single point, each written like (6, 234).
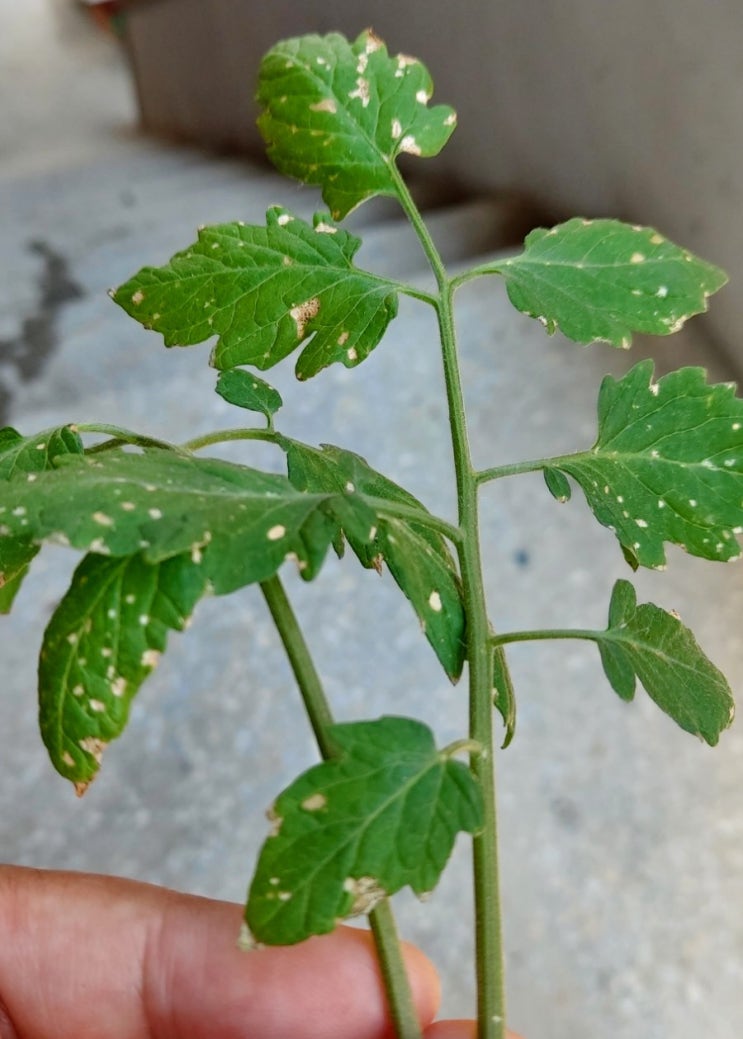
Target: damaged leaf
(381, 815)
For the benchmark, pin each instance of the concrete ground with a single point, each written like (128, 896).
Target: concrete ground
(622, 837)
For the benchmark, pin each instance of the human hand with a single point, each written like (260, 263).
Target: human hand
(89, 957)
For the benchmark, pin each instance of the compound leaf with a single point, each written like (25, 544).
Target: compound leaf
(648, 643)
(239, 524)
(417, 556)
(605, 280)
(264, 291)
(245, 390)
(103, 640)
(667, 464)
(337, 114)
(26, 457)
(383, 814)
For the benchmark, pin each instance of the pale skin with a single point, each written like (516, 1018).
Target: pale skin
(89, 957)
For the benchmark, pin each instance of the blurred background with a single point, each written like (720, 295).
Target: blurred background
(125, 125)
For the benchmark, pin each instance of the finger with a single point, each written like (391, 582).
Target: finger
(165, 966)
(457, 1030)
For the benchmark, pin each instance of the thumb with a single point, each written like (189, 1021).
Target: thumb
(457, 1030)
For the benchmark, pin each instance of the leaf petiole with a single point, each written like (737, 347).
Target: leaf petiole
(223, 436)
(121, 436)
(545, 634)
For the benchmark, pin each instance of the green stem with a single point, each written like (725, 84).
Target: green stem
(384, 507)
(389, 952)
(478, 272)
(533, 465)
(496, 472)
(488, 931)
(121, 436)
(222, 436)
(549, 633)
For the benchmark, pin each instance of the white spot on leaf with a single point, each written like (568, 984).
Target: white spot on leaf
(410, 145)
(326, 105)
(137, 297)
(361, 92)
(366, 892)
(434, 601)
(303, 313)
(637, 258)
(118, 686)
(314, 803)
(92, 746)
(276, 533)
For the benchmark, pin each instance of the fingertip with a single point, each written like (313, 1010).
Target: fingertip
(424, 982)
(457, 1030)
(452, 1030)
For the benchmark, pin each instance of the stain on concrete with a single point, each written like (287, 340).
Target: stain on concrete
(27, 353)
(566, 812)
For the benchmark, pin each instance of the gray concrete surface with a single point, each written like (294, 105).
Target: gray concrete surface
(622, 837)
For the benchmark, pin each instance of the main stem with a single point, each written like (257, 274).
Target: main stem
(488, 932)
(389, 952)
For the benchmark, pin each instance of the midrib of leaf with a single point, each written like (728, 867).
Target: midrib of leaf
(646, 649)
(626, 457)
(305, 268)
(690, 518)
(73, 650)
(636, 419)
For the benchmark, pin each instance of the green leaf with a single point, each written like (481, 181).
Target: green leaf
(26, 457)
(504, 699)
(667, 464)
(103, 640)
(30, 455)
(557, 484)
(16, 555)
(264, 291)
(653, 645)
(239, 524)
(382, 815)
(604, 280)
(338, 114)
(417, 556)
(245, 390)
